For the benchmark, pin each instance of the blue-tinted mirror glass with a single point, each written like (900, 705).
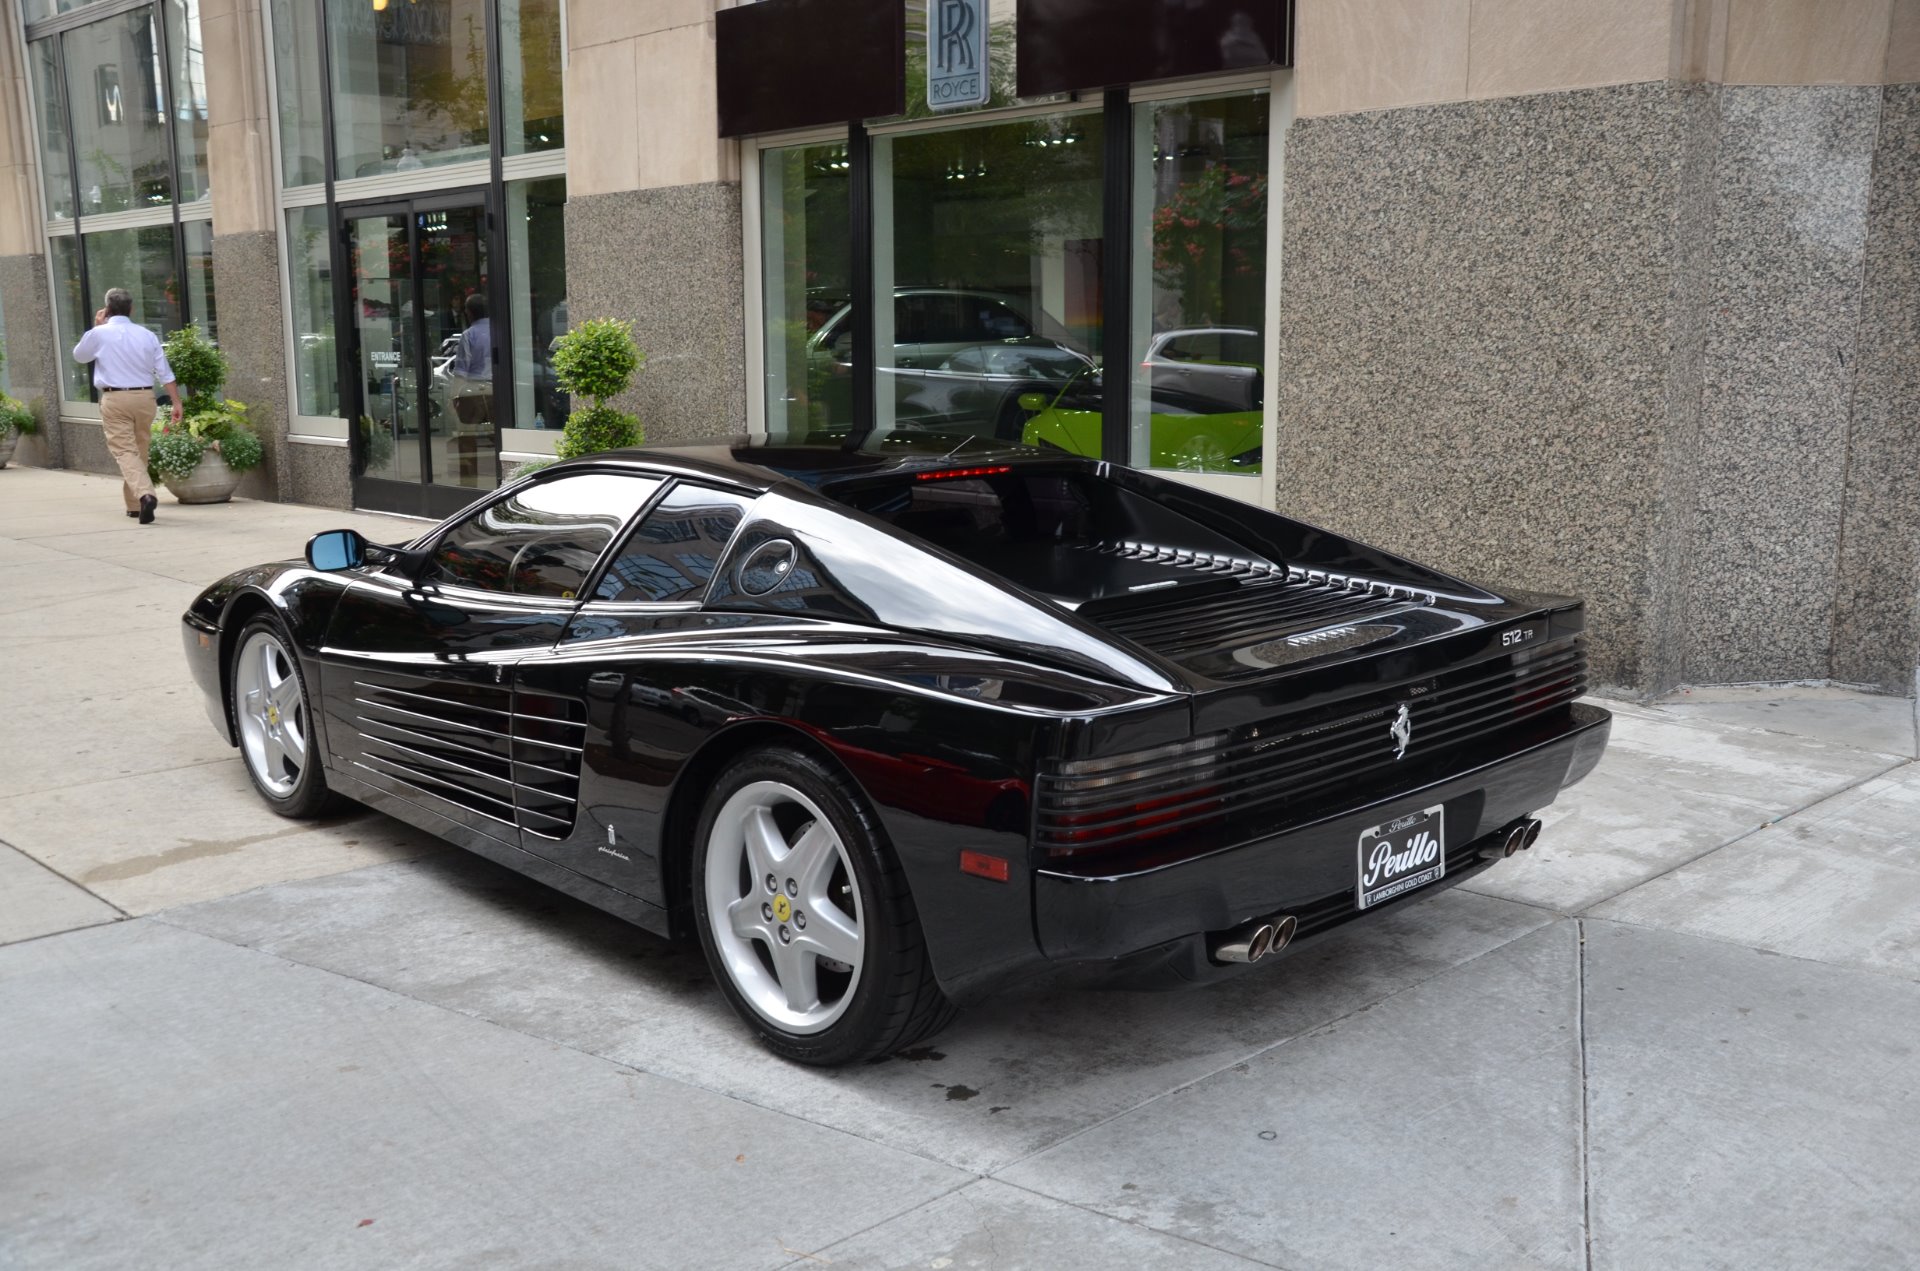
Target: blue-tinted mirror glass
(336, 549)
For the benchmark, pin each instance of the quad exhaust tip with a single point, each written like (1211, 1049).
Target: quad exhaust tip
(1520, 836)
(1255, 940)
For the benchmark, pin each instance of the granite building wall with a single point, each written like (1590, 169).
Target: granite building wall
(1614, 342)
(1876, 611)
(32, 372)
(246, 279)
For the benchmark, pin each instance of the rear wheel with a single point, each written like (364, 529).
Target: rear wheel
(805, 915)
(273, 716)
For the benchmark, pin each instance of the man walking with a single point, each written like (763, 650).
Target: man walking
(127, 362)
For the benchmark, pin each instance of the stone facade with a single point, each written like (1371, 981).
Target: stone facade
(317, 475)
(669, 261)
(1631, 373)
(246, 279)
(32, 370)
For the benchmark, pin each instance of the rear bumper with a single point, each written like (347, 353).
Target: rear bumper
(1308, 870)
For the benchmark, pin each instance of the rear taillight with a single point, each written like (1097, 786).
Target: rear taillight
(1094, 805)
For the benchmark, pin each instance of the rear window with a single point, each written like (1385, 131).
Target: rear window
(1055, 534)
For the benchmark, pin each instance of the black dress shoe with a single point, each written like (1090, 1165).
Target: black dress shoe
(147, 504)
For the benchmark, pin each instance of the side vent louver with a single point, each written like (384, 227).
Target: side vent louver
(514, 761)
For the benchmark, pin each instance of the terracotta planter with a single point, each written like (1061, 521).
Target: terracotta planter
(210, 482)
(9, 440)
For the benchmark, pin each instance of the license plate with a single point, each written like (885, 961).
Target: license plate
(1407, 852)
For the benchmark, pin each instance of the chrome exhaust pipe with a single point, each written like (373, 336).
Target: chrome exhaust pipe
(1244, 944)
(1533, 834)
(1283, 928)
(1515, 840)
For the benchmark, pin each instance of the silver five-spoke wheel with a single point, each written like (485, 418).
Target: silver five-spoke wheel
(272, 713)
(786, 914)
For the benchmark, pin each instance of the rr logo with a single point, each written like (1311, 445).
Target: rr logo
(955, 42)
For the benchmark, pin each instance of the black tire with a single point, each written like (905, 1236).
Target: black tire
(308, 797)
(894, 1001)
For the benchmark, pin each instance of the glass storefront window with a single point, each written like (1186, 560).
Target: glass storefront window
(988, 281)
(54, 167)
(530, 76)
(141, 260)
(197, 239)
(537, 282)
(119, 116)
(71, 316)
(316, 373)
(409, 85)
(807, 289)
(187, 94)
(1200, 284)
(299, 90)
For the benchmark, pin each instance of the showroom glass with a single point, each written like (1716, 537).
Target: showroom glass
(119, 116)
(456, 336)
(299, 90)
(70, 314)
(316, 372)
(806, 287)
(534, 116)
(197, 240)
(55, 167)
(542, 540)
(140, 260)
(994, 241)
(409, 85)
(1200, 284)
(390, 364)
(187, 96)
(670, 556)
(537, 285)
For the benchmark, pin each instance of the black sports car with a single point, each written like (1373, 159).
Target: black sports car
(890, 728)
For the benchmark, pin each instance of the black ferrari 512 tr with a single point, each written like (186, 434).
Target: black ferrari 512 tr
(890, 729)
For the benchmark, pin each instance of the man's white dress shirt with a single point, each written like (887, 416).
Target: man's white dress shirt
(123, 355)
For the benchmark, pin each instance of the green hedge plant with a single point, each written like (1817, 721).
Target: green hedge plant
(201, 370)
(15, 417)
(597, 359)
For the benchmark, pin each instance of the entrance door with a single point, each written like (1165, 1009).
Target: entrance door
(424, 360)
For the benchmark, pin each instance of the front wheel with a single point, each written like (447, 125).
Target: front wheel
(805, 915)
(273, 716)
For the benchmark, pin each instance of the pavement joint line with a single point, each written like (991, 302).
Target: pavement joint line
(65, 931)
(1144, 1226)
(1586, 1136)
(1746, 834)
(122, 776)
(1270, 1047)
(71, 882)
(812, 1258)
(160, 917)
(1886, 973)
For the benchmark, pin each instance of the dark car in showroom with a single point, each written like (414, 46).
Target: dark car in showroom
(888, 729)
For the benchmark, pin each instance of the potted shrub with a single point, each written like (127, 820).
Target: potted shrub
(16, 421)
(597, 359)
(203, 458)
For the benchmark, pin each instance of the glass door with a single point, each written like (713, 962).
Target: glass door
(428, 440)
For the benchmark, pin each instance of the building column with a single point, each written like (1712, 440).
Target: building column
(32, 368)
(653, 208)
(246, 239)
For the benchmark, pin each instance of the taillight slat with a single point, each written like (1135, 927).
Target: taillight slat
(1119, 803)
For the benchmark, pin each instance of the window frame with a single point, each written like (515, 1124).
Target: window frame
(592, 602)
(458, 590)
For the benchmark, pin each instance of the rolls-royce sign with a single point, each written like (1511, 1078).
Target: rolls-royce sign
(957, 54)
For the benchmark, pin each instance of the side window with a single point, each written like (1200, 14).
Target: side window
(1001, 322)
(1242, 348)
(972, 360)
(543, 540)
(671, 555)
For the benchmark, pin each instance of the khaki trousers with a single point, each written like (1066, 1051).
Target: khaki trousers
(127, 420)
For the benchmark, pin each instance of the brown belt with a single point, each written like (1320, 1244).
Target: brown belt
(145, 388)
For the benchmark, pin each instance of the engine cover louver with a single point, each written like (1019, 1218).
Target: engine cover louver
(512, 758)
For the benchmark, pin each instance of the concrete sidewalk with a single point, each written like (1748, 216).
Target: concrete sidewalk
(1683, 1032)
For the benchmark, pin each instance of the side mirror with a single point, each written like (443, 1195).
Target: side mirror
(337, 549)
(1033, 403)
